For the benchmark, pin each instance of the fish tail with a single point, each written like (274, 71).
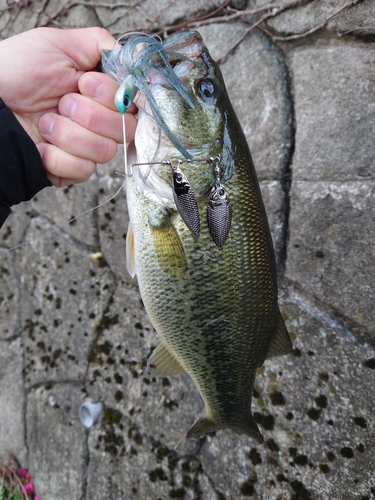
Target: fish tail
(204, 425)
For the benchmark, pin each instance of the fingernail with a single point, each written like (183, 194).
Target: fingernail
(69, 109)
(46, 124)
(92, 87)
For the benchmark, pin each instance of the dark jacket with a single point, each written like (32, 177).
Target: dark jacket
(21, 170)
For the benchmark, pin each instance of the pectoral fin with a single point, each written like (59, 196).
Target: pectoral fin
(281, 344)
(162, 362)
(130, 257)
(168, 247)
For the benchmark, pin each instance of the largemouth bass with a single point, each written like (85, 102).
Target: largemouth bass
(199, 241)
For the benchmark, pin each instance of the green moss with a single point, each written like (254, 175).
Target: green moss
(247, 489)
(282, 479)
(301, 460)
(113, 442)
(370, 363)
(301, 493)
(98, 349)
(161, 452)
(41, 345)
(158, 475)
(111, 416)
(321, 401)
(324, 468)
(272, 445)
(118, 396)
(361, 422)
(255, 456)
(347, 452)
(266, 421)
(186, 481)
(277, 398)
(313, 413)
(172, 460)
(177, 493)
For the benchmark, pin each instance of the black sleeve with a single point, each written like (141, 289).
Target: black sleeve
(21, 170)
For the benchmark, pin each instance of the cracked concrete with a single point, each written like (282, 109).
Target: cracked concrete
(73, 327)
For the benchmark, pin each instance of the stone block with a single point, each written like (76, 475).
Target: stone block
(331, 248)
(308, 15)
(56, 441)
(64, 294)
(256, 78)
(150, 16)
(59, 206)
(12, 399)
(274, 200)
(9, 296)
(335, 110)
(316, 418)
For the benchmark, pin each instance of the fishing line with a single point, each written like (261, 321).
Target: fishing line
(127, 174)
(55, 229)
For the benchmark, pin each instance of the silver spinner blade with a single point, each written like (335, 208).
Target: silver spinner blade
(219, 214)
(185, 200)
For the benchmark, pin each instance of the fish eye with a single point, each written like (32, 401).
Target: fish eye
(206, 88)
(178, 177)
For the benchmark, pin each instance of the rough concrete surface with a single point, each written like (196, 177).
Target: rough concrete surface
(334, 14)
(73, 326)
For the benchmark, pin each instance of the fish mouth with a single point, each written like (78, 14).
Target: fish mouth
(184, 53)
(185, 64)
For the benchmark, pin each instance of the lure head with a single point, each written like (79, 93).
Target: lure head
(125, 94)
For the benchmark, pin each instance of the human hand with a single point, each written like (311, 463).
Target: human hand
(66, 109)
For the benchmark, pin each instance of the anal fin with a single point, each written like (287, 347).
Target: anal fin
(130, 256)
(204, 425)
(281, 344)
(163, 363)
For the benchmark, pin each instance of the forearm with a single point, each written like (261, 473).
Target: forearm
(21, 170)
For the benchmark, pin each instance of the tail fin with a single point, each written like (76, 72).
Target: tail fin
(205, 425)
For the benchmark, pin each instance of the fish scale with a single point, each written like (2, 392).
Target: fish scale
(215, 309)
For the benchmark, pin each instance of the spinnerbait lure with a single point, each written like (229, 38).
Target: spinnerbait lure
(219, 208)
(131, 66)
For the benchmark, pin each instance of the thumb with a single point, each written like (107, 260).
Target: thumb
(83, 45)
